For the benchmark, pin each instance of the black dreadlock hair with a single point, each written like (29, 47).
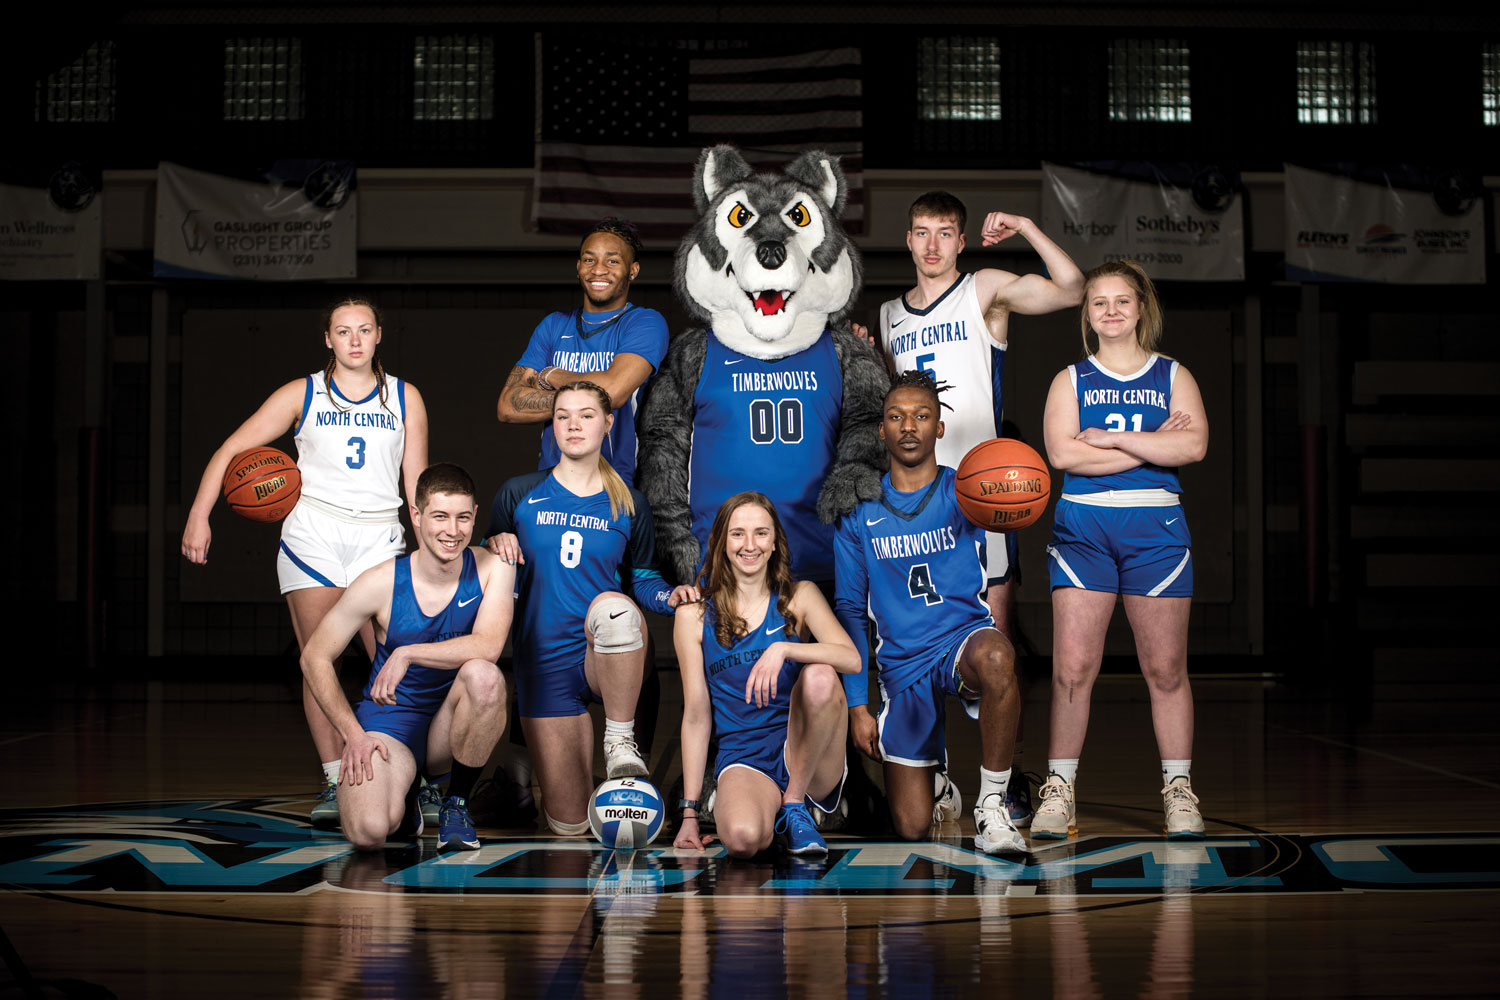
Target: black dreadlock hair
(620, 228)
(926, 381)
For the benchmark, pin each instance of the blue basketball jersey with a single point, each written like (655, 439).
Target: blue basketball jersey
(1140, 401)
(740, 724)
(425, 687)
(769, 426)
(575, 550)
(564, 340)
(910, 561)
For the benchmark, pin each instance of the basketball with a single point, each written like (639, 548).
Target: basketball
(262, 484)
(1003, 485)
(626, 813)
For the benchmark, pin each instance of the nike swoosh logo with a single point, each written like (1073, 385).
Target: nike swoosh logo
(871, 524)
(1084, 374)
(537, 499)
(897, 322)
(618, 614)
(778, 628)
(1173, 521)
(394, 533)
(469, 601)
(734, 362)
(566, 336)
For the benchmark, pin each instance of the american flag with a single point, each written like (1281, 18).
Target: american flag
(619, 128)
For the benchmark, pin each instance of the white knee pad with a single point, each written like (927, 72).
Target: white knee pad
(616, 626)
(566, 829)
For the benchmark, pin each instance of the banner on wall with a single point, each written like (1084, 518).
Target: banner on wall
(297, 224)
(51, 226)
(1181, 222)
(1402, 225)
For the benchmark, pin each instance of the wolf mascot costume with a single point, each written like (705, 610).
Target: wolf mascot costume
(777, 394)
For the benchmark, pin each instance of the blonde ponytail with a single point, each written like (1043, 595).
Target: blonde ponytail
(619, 493)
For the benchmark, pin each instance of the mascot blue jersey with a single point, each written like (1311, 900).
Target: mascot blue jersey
(564, 340)
(424, 688)
(768, 426)
(913, 563)
(575, 550)
(742, 725)
(1140, 401)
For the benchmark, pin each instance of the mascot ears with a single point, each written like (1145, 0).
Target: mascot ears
(722, 166)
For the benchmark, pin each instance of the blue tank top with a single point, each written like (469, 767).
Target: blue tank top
(738, 723)
(1141, 401)
(426, 687)
(769, 426)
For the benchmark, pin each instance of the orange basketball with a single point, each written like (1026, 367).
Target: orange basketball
(1003, 485)
(262, 484)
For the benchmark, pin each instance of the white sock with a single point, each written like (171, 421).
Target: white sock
(992, 783)
(1176, 768)
(619, 730)
(331, 771)
(1065, 768)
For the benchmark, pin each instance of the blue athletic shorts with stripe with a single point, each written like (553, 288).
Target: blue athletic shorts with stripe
(1121, 550)
(554, 694)
(768, 756)
(911, 720)
(320, 550)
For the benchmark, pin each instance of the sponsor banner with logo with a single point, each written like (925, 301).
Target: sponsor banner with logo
(297, 224)
(1401, 225)
(1181, 222)
(51, 228)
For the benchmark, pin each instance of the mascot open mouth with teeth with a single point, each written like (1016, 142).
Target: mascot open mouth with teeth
(777, 394)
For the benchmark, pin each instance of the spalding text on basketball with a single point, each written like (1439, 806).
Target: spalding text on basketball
(988, 487)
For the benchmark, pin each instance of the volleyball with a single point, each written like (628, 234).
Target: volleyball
(626, 813)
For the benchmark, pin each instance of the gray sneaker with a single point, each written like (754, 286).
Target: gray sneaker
(325, 810)
(431, 801)
(1056, 818)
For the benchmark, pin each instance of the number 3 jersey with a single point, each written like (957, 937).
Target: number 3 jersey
(910, 561)
(1140, 401)
(349, 450)
(768, 426)
(575, 550)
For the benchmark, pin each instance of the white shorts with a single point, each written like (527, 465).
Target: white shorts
(319, 549)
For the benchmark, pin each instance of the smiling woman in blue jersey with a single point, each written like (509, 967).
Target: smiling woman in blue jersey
(1119, 423)
(581, 536)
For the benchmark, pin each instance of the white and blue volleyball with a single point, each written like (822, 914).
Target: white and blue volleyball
(626, 813)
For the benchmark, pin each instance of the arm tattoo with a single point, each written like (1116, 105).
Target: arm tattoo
(516, 385)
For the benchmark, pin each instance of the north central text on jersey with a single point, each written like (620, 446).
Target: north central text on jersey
(919, 544)
(355, 418)
(573, 520)
(1124, 397)
(937, 333)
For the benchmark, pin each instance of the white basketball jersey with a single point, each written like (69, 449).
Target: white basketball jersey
(950, 339)
(349, 451)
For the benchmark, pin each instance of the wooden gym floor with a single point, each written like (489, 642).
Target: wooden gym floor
(154, 844)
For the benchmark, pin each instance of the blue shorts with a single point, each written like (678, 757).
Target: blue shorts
(768, 757)
(400, 722)
(555, 694)
(911, 720)
(1121, 550)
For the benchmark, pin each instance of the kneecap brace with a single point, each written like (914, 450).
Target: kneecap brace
(566, 829)
(616, 626)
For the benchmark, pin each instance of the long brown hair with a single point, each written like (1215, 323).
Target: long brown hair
(716, 578)
(1148, 325)
(614, 486)
(376, 367)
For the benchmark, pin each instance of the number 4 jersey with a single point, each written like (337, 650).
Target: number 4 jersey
(1140, 401)
(910, 561)
(349, 450)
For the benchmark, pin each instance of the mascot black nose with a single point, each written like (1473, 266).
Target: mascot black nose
(771, 254)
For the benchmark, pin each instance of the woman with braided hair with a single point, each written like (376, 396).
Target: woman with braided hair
(359, 433)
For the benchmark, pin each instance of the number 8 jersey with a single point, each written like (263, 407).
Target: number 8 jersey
(349, 450)
(1140, 401)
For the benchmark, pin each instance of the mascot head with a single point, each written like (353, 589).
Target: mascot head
(768, 265)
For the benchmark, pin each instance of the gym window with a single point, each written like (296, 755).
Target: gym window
(1490, 84)
(1149, 80)
(82, 91)
(262, 79)
(453, 78)
(958, 79)
(1335, 83)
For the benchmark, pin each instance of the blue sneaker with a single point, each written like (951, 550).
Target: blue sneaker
(455, 828)
(1018, 799)
(795, 827)
(431, 802)
(325, 810)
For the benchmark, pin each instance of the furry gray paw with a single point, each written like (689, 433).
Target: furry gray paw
(846, 488)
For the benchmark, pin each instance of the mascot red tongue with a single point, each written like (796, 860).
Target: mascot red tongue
(773, 392)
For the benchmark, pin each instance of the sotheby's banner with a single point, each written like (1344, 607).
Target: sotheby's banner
(297, 224)
(1402, 225)
(1181, 222)
(52, 232)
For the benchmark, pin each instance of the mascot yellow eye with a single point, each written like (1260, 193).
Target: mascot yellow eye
(799, 215)
(740, 216)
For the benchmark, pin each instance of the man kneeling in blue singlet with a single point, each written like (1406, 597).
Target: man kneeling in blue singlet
(434, 692)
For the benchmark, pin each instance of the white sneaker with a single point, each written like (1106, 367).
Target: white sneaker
(1183, 820)
(946, 803)
(1055, 817)
(622, 759)
(993, 831)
